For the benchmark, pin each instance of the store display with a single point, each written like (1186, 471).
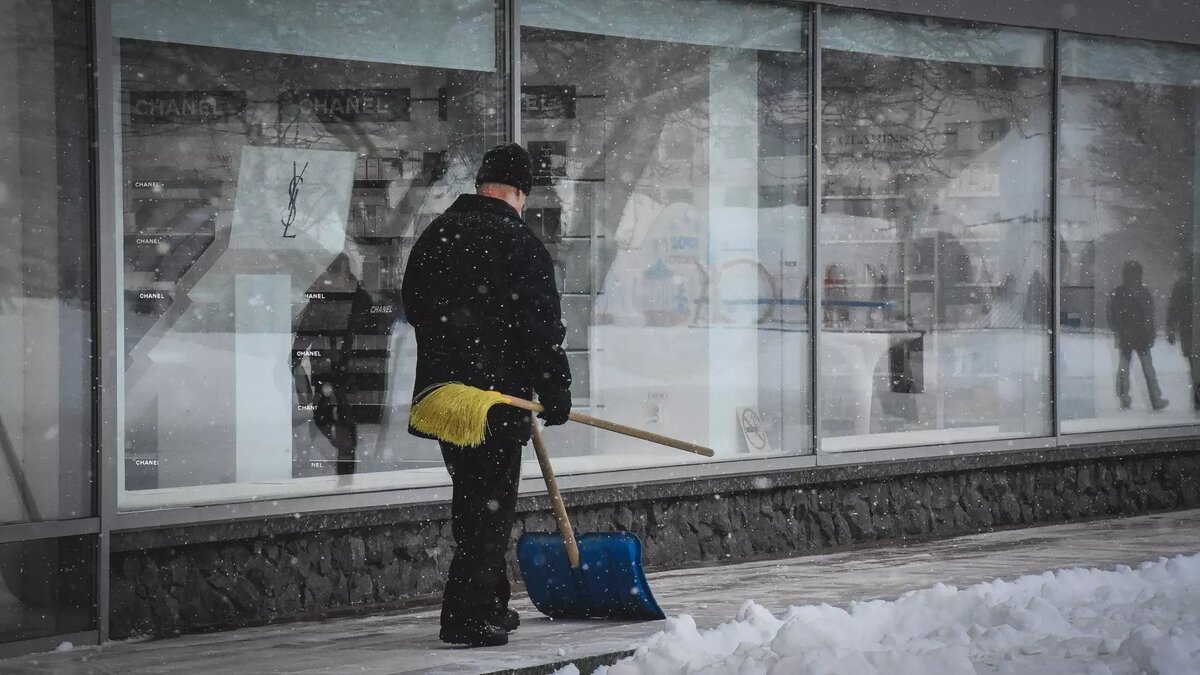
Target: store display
(546, 102)
(267, 212)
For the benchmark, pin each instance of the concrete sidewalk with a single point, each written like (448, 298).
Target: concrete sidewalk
(406, 642)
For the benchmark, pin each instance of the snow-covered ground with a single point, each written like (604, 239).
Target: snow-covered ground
(405, 641)
(1069, 622)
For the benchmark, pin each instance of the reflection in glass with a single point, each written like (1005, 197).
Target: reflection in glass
(47, 587)
(1127, 217)
(671, 160)
(45, 263)
(934, 233)
(273, 178)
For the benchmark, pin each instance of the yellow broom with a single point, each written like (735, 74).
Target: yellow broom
(457, 413)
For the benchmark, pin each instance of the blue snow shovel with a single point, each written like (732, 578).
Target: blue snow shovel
(597, 575)
(594, 576)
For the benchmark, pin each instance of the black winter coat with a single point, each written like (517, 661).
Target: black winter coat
(1179, 314)
(479, 291)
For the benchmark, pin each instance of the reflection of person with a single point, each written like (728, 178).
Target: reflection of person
(837, 293)
(879, 292)
(325, 334)
(479, 292)
(1179, 325)
(1131, 316)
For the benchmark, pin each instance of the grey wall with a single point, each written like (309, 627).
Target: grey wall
(1171, 20)
(224, 575)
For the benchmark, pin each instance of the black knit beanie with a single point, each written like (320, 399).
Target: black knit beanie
(509, 164)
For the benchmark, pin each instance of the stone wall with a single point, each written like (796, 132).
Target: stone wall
(161, 583)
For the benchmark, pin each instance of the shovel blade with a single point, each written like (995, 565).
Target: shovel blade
(609, 582)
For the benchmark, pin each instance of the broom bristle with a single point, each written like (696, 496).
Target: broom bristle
(454, 412)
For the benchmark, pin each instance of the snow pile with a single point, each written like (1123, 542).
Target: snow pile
(1079, 621)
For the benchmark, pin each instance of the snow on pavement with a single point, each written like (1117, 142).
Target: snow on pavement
(1069, 622)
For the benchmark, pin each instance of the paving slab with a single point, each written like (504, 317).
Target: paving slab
(406, 641)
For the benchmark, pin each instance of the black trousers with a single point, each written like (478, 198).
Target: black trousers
(482, 514)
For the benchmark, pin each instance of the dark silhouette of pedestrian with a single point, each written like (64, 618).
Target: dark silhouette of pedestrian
(1180, 319)
(1131, 316)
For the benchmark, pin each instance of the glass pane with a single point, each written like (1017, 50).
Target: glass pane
(273, 179)
(458, 34)
(45, 263)
(672, 192)
(934, 232)
(47, 587)
(1128, 210)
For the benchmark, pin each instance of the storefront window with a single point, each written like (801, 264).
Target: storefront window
(46, 459)
(934, 232)
(1129, 207)
(276, 162)
(671, 151)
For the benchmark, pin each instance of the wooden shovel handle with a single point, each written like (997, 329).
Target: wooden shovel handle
(560, 509)
(618, 428)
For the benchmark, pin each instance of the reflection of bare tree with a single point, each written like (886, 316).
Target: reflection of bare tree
(898, 130)
(1137, 164)
(654, 84)
(43, 52)
(1127, 175)
(904, 113)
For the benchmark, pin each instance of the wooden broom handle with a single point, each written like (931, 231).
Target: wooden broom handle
(560, 509)
(619, 428)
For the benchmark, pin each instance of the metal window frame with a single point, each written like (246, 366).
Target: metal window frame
(513, 54)
(107, 345)
(1055, 240)
(114, 520)
(1055, 437)
(816, 291)
(107, 352)
(48, 529)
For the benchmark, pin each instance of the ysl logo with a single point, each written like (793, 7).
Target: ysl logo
(293, 192)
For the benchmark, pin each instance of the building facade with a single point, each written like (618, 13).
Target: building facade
(909, 269)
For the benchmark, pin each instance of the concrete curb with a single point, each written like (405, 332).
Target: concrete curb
(585, 664)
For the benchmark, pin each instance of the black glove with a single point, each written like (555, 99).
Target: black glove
(557, 404)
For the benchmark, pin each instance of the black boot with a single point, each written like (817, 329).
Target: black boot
(474, 634)
(509, 620)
